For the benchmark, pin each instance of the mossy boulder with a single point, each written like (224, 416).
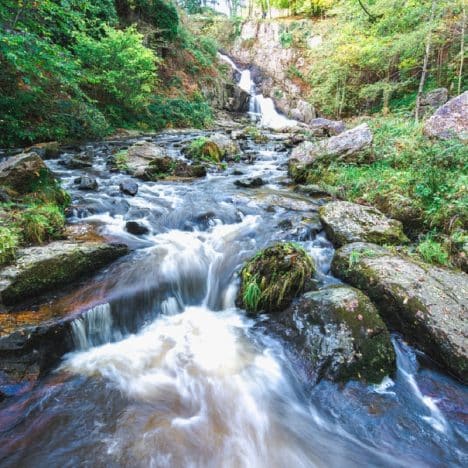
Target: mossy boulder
(20, 173)
(40, 269)
(216, 148)
(346, 222)
(339, 335)
(428, 305)
(274, 277)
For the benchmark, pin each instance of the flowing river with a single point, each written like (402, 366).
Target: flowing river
(167, 372)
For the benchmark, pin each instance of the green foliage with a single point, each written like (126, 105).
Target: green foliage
(121, 160)
(179, 112)
(274, 276)
(161, 14)
(119, 72)
(40, 223)
(286, 39)
(9, 241)
(432, 251)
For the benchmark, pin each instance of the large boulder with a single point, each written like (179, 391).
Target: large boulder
(148, 161)
(48, 150)
(273, 277)
(238, 99)
(339, 335)
(427, 304)
(43, 268)
(216, 148)
(228, 148)
(326, 128)
(450, 120)
(346, 222)
(432, 100)
(21, 172)
(340, 147)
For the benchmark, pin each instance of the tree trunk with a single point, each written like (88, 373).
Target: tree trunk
(425, 62)
(462, 48)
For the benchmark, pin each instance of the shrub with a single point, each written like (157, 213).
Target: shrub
(119, 72)
(432, 251)
(41, 223)
(9, 241)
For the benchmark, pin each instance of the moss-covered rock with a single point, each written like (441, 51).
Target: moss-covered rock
(339, 335)
(428, 305)
(273, 277)
(346, 222)
(216, 148)
(40, 269)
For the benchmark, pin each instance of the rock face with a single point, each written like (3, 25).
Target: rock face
(20, 172)
(326, 128)
(340, 147)
(346, 222)
(427, 304)
(339, 334)
(432, 100)
(450, 120)
(39, 269)
(273, 277)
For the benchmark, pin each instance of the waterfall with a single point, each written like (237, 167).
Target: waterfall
(93, 328)
(261, 109)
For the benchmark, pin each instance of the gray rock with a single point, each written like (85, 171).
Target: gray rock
(86, 183)
(339, 335)
(428, 305)
(326, 128)
(450, 120)
(49, 150)
(21, 171)
(250, 182)
(136, 228)
(341, 147)
(129, 187)
(435, 98)
(228, 148)
(141, 154)
(43, 268)
(346, 222)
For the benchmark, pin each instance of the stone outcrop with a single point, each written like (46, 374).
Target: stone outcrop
(342, 147)
(325, 127)
(339, 335)
(40, 269)
(20, 172)
(450, 120)
(428, 305)
(346, 222)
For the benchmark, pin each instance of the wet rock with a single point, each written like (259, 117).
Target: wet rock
(78, 162)
(4, 196)
(86, 183)
(238, 100)
(274, 277)
(141, 154)
(428, 305)
(20, 172)
(346, 222)
(43, 268)
(136, 228)
(294, 140)
(49, 150)
(450, 120)
(341, 147)
(326, 128)
(185, 170)
(216, 148)
(129, 187)
(229, 148)
(251, 182)
(313, 190)
(303, 112)
(339, 335)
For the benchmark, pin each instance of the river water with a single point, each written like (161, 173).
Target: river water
(167, 372)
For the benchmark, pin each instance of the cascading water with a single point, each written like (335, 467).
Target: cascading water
(167, 372)
(261, 109)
